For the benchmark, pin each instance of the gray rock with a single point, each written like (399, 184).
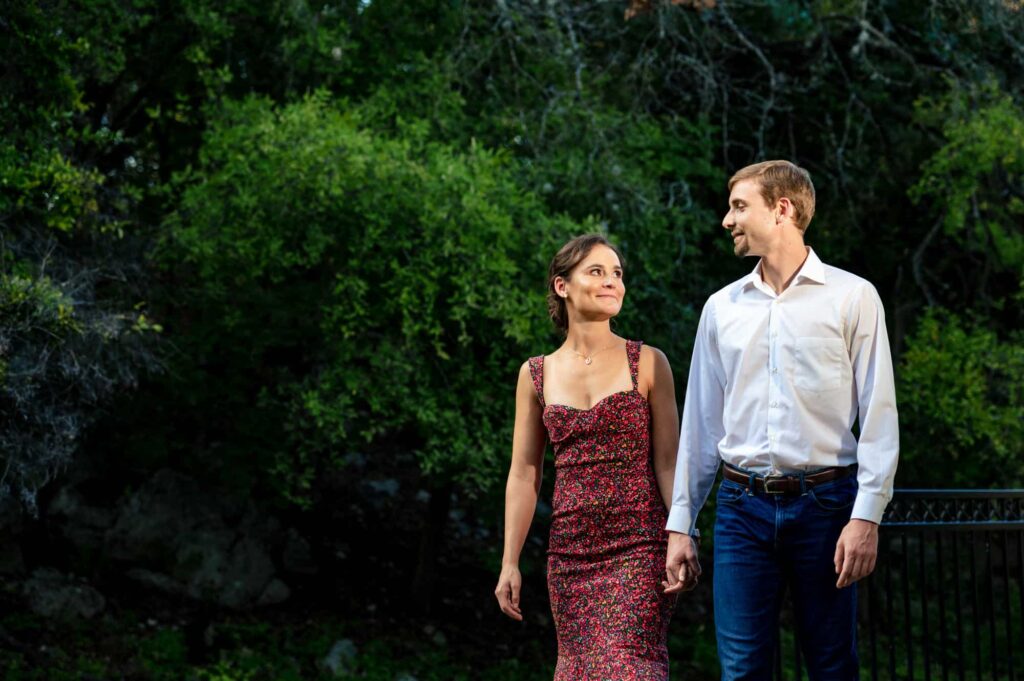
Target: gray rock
(180, 539)
(151, 522)
(297, 556)
(51, 594)
(341, 658)
(248, 571)
(387, 487)
(435, 634)
(84, 525)
(69, 503)
(158, 581)
(276, 592)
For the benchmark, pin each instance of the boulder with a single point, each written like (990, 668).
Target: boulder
(82, 524)
(297, 556)
(340, 660)
(181, 539)
(276, 592)
(50, 593)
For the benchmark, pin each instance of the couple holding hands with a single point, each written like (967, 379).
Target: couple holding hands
(785, 361)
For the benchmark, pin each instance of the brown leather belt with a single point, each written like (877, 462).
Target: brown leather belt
(788, 484)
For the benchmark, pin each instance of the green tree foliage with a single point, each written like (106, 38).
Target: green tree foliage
(872, 98)
(72, 327)
(634, 122)
(832, 85)
(960, 381)
(628, 125)
(371, 289)
(973, 186)
(961, 401)
(551, 84)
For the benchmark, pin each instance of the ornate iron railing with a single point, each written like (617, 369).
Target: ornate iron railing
(946, 600)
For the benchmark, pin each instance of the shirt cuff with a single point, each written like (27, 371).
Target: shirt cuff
(680, 520)
(870, 507)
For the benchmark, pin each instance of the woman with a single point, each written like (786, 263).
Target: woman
(608, 407)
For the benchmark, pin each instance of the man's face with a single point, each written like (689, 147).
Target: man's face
(750, 221)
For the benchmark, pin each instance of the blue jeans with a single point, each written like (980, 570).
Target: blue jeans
(765, 544)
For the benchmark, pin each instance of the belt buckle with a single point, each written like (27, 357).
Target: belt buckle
(769, 479)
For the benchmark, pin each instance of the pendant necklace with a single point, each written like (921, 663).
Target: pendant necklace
(588, 359)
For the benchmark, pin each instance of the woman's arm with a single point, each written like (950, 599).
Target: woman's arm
(665, 428)
(665, 421)
(521, 490)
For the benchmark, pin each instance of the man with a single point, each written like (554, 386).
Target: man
(785, 360)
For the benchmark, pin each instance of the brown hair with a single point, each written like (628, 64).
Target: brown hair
(568, 257)
(782, 179)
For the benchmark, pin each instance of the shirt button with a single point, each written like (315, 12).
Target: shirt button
(775, 334)
(774, 403)
(775, 370)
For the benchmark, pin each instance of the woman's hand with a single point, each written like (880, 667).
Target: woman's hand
(681, 565)
(507, 591)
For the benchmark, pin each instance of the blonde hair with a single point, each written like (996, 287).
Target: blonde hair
(779, 179)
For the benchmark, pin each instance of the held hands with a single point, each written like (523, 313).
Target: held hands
(681, 565)
(507, 591)
(856, 551)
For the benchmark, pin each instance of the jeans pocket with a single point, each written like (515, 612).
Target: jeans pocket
(730, 492)
(836, 496)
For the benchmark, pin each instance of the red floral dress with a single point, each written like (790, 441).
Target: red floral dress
(606, 553)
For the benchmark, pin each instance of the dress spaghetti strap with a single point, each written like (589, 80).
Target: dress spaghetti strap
(633, 356)
(537, 374)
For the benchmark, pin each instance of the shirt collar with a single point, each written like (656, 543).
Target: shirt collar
(753, 278)
(812, 270)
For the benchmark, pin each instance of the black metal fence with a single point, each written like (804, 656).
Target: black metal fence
(946, 600)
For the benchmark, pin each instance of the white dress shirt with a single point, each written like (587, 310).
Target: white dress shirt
(777, 381)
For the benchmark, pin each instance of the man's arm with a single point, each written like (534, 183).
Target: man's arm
(697, 459)
(878, 445)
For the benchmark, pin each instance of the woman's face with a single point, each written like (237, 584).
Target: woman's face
(594, 288)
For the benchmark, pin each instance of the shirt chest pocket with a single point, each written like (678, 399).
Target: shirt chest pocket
(819, 363)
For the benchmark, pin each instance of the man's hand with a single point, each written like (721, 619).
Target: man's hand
(681, 565)
(856, 551)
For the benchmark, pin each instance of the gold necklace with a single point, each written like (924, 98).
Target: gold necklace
(587, 359)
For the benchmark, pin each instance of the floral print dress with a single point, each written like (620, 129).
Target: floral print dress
(606, 552)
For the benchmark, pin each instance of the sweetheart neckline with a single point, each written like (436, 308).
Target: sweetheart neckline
(598, 403)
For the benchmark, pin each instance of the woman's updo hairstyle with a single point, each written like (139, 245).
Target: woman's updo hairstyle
(568, 257)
